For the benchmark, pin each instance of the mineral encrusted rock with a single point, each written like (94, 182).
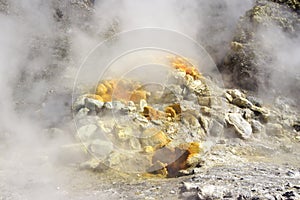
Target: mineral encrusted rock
(146, 134)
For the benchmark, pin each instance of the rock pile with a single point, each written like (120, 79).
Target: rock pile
(163, 129)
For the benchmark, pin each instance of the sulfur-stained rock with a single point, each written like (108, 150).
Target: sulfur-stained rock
(169, 162)
(94, 96)
(194, 151)
(126, 136)
(162, 127)
(158, 168)
(170, 112)
(190, 77)
(123, 133)
(185, 66)
(173, 111)
(120, 90)
(176, 107)
(242, 127)
(143, 104)
(152, 114)
(154, 138)
(148, 149)
(101, 89)
(138, 95)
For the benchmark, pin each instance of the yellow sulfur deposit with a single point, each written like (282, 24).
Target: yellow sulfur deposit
(120, 90)
(183, 65)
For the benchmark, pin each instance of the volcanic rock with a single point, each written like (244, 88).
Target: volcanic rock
(242, 127)
(246, 65)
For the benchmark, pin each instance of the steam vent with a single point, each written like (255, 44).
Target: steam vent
(149, 99)
(173, 129)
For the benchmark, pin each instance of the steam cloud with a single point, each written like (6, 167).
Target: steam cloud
(284, 62)
(41, 46)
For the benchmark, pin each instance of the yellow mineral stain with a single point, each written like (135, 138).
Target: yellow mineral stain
(120, 90)
(183, 65)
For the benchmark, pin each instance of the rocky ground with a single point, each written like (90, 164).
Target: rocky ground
(255, 180)
(248, 147)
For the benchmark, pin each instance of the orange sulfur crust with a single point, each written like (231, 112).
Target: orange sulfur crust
(152, 114)
(168, 161)
(181, 156)
(95, 96)
(184, 66)
(173, 110)
(120, 90)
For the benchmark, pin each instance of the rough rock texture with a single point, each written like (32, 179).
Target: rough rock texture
(172, 138)
(293, 4)
(243, 182)
(232, 183)
(248, 64)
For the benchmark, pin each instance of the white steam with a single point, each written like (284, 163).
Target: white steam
(42, 43)
(283, 52)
